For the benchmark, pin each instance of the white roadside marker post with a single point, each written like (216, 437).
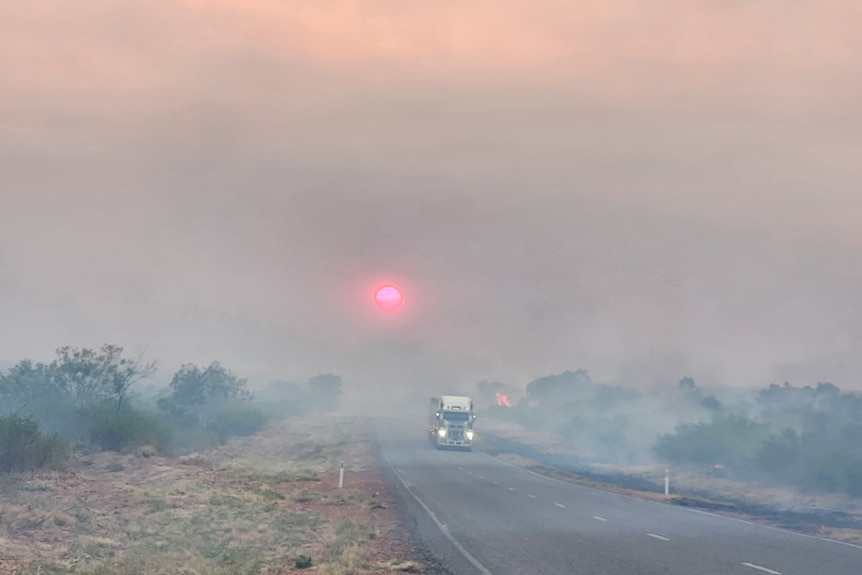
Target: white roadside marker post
(341, 476)
(666, 482)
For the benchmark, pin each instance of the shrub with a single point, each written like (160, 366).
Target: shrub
(236, 419)
(732, 441)
(24, 448)
(815, 460)
(113, 430)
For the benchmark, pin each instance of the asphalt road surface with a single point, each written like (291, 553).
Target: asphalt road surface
(478, 515)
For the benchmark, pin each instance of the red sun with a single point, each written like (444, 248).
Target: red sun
(388, 298)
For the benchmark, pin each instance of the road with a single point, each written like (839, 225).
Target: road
(478, 515)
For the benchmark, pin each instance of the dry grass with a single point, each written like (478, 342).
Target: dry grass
(401, 566)
(847, 535)
(249, 507)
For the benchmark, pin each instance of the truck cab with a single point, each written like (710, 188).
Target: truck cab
(451, 420)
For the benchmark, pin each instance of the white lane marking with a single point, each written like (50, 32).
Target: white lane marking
(443, 529)
(687, 509)
(597, 518)
(658, 537)
(560, 505)
(496, 482)
(531, 496)
(511, 488)
(481, 477)
(469, 473)
(764, 569)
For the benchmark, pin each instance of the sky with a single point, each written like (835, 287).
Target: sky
(646, 190)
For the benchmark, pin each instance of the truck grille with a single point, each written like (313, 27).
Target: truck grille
(456, 432)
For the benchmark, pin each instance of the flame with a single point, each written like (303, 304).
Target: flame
(503, 400)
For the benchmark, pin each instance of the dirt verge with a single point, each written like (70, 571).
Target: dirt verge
(264, 504)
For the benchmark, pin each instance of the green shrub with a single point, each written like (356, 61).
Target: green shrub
(24, 448)
(815, 460)
(732, 441)
(237, 419)
(113, 430)
(54, 415)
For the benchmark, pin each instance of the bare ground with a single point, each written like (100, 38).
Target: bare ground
(252, 506)
(829, 515)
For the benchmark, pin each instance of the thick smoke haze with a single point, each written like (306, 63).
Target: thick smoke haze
(643, 190)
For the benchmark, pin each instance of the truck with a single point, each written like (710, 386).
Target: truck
(450, 422)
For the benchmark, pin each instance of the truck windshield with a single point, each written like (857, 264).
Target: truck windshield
(456, 416)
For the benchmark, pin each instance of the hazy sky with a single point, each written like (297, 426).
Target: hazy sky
(642, 189)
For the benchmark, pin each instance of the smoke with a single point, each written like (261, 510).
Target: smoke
(646, 193)
(783, 434)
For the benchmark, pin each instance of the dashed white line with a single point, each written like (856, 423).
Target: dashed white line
(531, 496)
(688, 509)
(597, 518)
(653, 535)
(496, 482)
(510, 488)
(560, 505)
(764, 569)
(481, 477)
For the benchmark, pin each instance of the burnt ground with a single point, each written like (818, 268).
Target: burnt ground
(252, 506)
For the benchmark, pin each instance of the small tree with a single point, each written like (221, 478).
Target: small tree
(201, 393)
(555, 389)
(26, 383)
(687, 384)
(30, 389)
(91, 376)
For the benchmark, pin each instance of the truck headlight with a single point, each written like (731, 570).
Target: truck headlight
(469, 434)
(441, 432)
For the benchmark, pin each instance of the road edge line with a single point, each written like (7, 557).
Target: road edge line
(671, 505)
(443, 529)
